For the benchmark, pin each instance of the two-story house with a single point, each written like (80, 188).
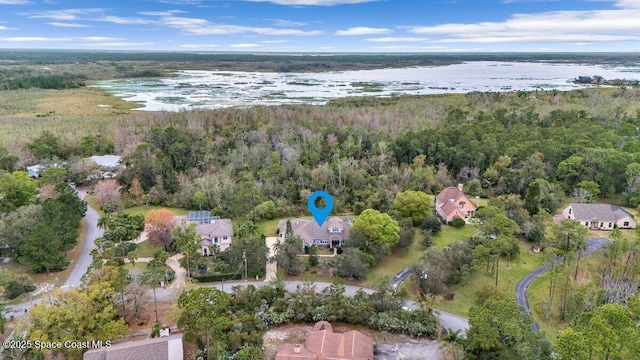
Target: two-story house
(215, 232)
(452, 202)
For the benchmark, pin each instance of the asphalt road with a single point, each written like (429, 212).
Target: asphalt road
(593, 245)
(82, 264)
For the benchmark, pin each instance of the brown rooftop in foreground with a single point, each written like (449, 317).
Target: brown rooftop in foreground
(323, 344)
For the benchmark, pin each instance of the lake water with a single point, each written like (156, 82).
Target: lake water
(219, 89)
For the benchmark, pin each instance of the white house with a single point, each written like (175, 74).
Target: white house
(215, 232)
(600, 216)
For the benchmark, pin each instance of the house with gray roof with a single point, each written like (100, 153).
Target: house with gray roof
(160, 348)
(333, 233)
(215, 232)
(600, 216)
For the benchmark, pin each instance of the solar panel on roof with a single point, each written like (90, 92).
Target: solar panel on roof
(200, 216)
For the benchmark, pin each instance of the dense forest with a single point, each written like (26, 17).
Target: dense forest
(365, 151)
(528, 152)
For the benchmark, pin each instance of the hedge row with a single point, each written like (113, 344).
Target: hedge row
(217, 277)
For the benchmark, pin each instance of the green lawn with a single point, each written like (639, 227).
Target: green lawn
(539, 291)
(508, 277)
(140, 266)
(144, 249)
(393, 264)
(145, 209)
(93, 202)
(449, 235)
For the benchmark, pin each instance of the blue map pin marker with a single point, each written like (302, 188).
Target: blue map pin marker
(320, 215)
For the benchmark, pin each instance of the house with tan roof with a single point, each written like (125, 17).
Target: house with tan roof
(214, 231)
(600, 216)
(324, 344)
(452, 202)
(333, 233)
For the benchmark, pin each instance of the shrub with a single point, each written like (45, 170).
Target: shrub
(217, 277)
(457, 222)
(431, 222)
(427, 238)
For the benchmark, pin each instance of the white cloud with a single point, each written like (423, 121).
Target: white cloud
(119, 44)
(181, 2)
(398, 39)
(35, 39)
(287, 23)
(161, 13)
(92, 14)
(101, 38)
(67, 25)
(245, 46)
(13, 2)
(628, 4)
(198, 46)
(65, 15)
(313, 2)
(274, 41)
(196, 26)
(361, 30)
(123, 21)
(409, 48)
(554, 26)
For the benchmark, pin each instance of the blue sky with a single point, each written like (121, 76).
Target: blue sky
(323, 25)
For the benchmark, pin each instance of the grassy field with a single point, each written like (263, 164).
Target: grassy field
(508, 277)
(144, 249)
(143, 210)
(71, 113)
(539, 291)
(449, 235)
(393, 264)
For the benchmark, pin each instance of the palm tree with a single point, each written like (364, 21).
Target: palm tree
(451, 347)
(132, 256)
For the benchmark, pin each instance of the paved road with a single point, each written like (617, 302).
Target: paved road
(593, 245)
(82, 264)
(400, 277)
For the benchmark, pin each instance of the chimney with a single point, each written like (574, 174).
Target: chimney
(460, 187)
(296, 349)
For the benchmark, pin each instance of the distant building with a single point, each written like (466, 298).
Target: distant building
(333, 233)
(452, 202)
(323, 344)
(161, 348)
(600, 216)
(111, 165)
(213, 231)
(36, 171)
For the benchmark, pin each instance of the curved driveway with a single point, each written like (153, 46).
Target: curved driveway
(593, 245)
(82, 265)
